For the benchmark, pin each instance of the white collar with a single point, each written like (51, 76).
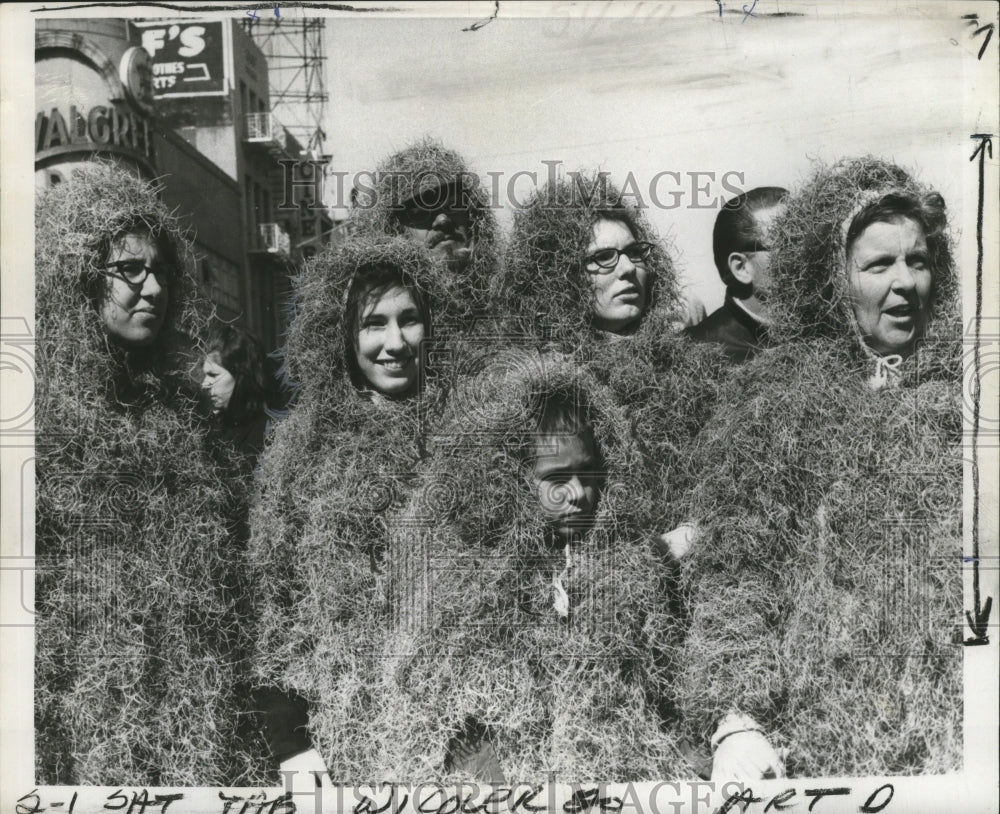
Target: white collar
(755, 317)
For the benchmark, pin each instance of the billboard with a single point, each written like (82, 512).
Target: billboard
(188, 58)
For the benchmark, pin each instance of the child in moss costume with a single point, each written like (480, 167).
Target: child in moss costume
(585, 277)
(825, 588)
(140, 615)
(530, 620)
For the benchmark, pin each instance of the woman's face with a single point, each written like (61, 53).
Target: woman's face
(388, 342)
(621, 293)
(218, 382)
(134, 309)
(889, 281)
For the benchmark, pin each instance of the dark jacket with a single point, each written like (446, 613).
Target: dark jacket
(740, 335)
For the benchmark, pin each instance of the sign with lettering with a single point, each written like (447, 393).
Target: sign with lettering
(136, 74)
(102, 128)
(188, 58)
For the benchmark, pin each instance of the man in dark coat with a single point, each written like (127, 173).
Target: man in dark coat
(743, 259)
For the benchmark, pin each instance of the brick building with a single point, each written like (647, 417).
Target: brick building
(186, 102)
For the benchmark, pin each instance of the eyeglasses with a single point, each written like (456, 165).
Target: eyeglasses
(608, 258)
(134, 272)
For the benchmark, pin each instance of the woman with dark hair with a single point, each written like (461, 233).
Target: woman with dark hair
(586, 276)
(388, 316)
(138, 632)
(343, 457)
(582, 266)
(240, 382)
(826, 582)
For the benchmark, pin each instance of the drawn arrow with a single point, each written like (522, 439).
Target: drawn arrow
(979, 616)
(488, 20)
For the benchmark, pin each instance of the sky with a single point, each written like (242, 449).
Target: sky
(664, 87)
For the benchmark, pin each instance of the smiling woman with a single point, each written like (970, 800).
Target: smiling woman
(388, 318)
(342, 458)
(360, 314)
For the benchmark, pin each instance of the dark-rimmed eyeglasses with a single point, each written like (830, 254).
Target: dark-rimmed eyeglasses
(135, 272)
(607, 259)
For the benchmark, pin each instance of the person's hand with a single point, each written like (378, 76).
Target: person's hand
(308, 772)
(746, 756)
(678, 542)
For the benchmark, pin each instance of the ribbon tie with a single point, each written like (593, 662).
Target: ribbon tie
(886, 371)
(561, 601)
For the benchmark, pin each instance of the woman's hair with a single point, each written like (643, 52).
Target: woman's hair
(370, 283)
(80, 225)
(543, 282)
(620, 214)
(927, 211)
(810, 297)
(95, 284)
(255, 385)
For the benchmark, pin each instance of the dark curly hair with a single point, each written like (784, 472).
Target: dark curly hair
(255, 387)
(542, 287)
(370, 282)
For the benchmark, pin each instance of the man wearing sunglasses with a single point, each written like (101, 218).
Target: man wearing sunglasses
(438, 216)
(428, 193)
(743, 259)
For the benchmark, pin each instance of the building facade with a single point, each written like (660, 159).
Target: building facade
(185, 102)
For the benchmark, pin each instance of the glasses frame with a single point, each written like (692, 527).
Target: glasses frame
(645, 247)
(163, 274)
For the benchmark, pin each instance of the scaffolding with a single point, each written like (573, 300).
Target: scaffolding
(296, 63)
